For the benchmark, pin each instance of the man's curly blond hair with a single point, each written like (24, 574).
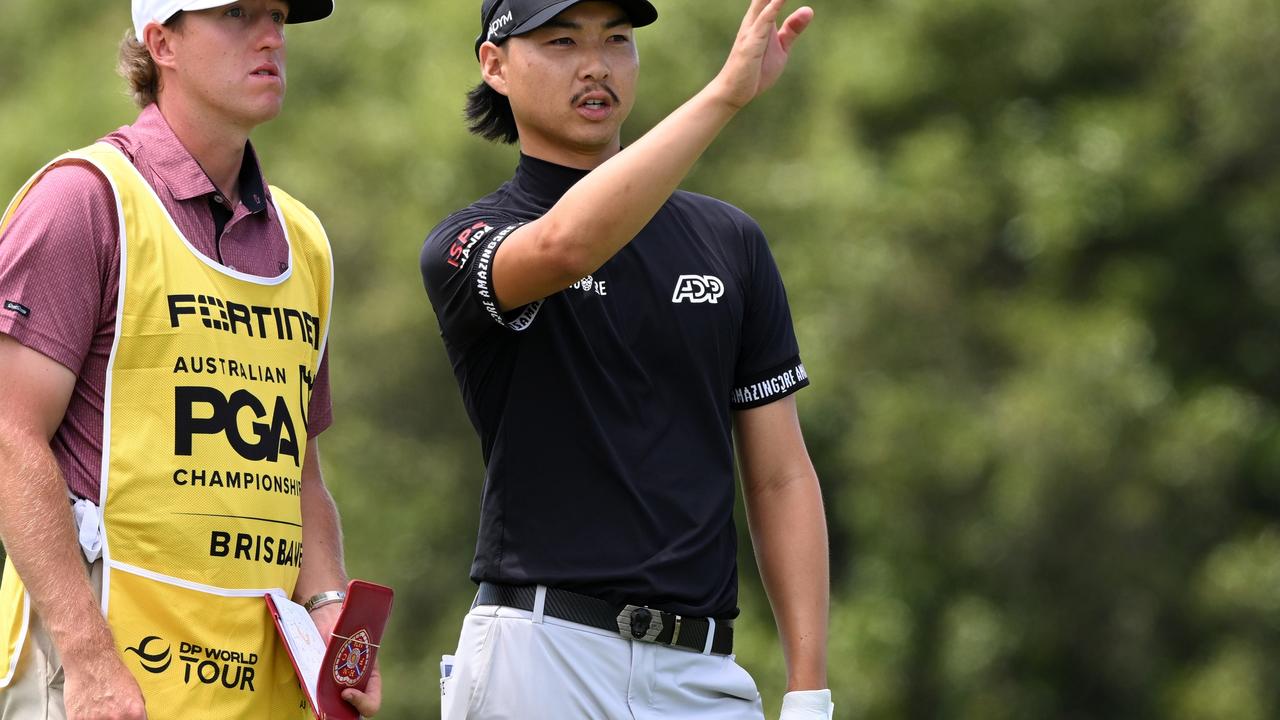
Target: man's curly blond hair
(138, 68)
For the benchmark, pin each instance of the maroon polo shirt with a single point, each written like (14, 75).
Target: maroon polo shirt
(60, 270)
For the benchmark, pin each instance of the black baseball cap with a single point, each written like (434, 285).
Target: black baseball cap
(301, 11)
(501, 19)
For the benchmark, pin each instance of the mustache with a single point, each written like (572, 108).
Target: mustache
(601, 86)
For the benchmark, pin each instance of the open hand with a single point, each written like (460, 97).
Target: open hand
(760, 52)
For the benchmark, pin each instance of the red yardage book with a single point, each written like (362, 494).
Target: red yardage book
(326, 667)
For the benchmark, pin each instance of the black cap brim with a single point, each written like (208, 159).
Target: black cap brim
(301, 11)
(641, 13)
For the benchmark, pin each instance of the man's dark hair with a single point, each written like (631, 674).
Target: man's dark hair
(489, 115)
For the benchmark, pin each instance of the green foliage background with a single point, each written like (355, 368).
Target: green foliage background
(1032, 252)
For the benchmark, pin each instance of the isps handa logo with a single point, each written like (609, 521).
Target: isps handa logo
(150, 656)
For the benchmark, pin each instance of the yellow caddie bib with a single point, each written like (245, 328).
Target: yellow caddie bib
(13, 622)
(204, 439)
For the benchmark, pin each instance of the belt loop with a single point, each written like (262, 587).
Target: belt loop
(711, 635)
(539, 603)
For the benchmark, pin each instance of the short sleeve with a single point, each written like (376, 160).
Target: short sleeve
(320, 407)
(457, 269)
(59, 262)
(768, 366)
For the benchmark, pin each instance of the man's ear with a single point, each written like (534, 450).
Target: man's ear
(493, 67)
(159, 41)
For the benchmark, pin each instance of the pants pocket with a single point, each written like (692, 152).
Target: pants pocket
(700, 679)
(461, 672)
(448, 683)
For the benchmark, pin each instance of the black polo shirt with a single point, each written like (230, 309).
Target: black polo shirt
(604, 411)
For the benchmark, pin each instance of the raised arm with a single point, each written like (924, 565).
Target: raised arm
(604, 211)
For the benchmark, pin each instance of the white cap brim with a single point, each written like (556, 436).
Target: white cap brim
(146, 12)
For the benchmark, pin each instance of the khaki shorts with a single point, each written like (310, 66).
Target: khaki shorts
(36, 690)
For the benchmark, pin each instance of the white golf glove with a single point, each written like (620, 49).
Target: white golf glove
(807, 705)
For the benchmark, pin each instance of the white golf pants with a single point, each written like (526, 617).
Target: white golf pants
(510, 665)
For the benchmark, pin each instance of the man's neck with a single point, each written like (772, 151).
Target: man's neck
(584, 158)
(218, 147)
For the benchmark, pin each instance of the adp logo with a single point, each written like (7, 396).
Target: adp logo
(152, 660)
(270, 436)
(698, 289)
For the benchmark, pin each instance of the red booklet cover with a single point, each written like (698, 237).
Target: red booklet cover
(327, 666)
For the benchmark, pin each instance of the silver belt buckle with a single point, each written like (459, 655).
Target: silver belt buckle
(640, 623)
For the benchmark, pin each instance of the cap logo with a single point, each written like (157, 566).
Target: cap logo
(498, 24)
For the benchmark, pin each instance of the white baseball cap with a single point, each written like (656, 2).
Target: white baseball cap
(147, 11)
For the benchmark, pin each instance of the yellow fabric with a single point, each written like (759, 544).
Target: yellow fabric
(204, 441)
(13, 621)
(214, 657)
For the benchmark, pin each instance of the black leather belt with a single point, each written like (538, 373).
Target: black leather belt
(630, 621)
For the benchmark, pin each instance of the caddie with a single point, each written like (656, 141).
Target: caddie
(163, 383)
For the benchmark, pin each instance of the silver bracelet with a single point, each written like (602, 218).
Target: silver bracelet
(327, 597)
